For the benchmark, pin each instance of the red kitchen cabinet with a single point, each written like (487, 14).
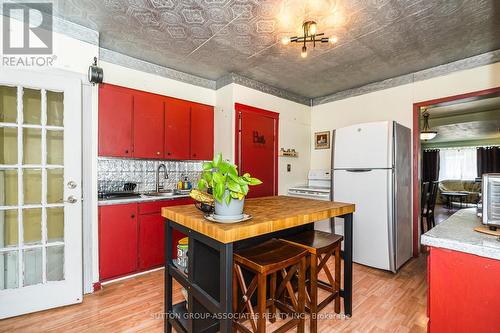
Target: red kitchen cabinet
(202, 132)
(117, 240)
(115, 121)
(149, 126)
(152, 233)
(177, 127)
(151, 241)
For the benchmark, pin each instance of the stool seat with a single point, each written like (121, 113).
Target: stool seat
(315, 241)
(269, 256)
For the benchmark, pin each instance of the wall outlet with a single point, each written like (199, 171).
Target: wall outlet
(288, 167)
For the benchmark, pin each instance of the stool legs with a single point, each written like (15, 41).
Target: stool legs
(313, 293)
(261, 303)
(302, 296)
(272, 294)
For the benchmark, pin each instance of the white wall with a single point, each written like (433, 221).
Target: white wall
(396, 103)
(132, 78)
(294, 129)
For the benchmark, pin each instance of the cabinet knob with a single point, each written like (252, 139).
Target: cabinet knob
(168, 153)
(157, 153)
(194, 155)
(132, 216)
(126, 151)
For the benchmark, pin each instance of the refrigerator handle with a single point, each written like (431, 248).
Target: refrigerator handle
(358, 170)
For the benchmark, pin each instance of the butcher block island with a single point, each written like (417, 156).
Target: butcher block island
(208, 278)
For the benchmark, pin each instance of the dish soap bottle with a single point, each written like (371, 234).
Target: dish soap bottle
(180, 184)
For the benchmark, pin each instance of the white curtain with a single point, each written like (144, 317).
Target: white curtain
(458, 163)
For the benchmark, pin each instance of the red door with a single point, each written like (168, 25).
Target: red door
(115, 121)
(117, 240)
(151, 241)
(177, 138)
(257, 148)
(202, 132)
(149, 125)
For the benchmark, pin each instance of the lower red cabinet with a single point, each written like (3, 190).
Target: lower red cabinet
(132, 237)
(117, 240)
(151, 241)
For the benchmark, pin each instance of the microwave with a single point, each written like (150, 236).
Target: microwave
(491, 200)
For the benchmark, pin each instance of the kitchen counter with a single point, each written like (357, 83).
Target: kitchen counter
(457, 233)
(269, 214)
(463, 267)
(211, 247)
(141, 198)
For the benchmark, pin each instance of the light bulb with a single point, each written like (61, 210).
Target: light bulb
(285, 40)
(313, 29)
(303, 54)
(333, 39)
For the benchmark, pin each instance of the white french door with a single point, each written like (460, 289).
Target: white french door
(40, 191)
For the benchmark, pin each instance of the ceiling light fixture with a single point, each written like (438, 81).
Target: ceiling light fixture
(310, 35)
(426, 133)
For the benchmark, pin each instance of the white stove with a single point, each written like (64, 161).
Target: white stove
(318, 187)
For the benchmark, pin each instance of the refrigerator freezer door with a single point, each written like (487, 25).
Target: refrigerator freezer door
(363, 146)
(370, 192)
(402, 195)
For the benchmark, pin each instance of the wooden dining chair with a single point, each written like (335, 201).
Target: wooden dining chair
(431, 205)
(424, 193)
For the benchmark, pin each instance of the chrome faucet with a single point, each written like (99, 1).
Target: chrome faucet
(162, 186)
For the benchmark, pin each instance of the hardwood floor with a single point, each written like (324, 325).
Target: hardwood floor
(383, 302)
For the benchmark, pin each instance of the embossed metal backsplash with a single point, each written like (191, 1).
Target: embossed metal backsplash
(113, 173)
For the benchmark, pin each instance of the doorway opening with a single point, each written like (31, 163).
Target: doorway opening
(256, 148)
(447, 169)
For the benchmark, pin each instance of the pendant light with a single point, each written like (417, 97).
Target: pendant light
(426, 133)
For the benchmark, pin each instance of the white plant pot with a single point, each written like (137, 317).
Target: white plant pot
(234, 209)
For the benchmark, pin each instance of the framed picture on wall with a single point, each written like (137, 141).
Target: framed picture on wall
(322, 140)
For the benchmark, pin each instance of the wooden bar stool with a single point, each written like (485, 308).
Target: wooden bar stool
(269, 259)
(321, 246)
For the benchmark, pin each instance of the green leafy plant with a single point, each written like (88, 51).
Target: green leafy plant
(220, 176)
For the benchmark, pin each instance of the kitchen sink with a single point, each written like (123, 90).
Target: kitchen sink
(160, 194)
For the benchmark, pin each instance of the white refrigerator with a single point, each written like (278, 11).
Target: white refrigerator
(371, 165)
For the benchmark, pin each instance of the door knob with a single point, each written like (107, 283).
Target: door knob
(72, 199)
(72, 184)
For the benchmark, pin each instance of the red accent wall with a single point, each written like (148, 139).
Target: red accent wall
(464, 293)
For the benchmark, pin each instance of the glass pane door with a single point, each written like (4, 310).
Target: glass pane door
(40, 177)
(32, 186)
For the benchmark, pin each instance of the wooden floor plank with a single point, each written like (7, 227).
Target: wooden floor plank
(382, 302)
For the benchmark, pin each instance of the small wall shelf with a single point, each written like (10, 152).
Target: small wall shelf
(288, 153)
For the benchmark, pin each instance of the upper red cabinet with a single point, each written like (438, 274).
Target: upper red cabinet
(202, 132)
(138, 124)
(115, 121)
(177, 123)
(149, 129)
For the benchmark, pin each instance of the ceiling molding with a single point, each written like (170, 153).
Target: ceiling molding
(144, 66)
(467, 63)
(262, 87)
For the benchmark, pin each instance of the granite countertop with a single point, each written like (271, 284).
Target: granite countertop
(141, 198)
(457, 233)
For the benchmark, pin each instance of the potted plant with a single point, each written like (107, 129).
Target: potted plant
(228, 188)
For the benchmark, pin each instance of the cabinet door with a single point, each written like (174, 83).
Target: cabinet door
(202, 132)
(117, 240)
(151, 241)
(177, 119)
(115, 121)
(149, 127)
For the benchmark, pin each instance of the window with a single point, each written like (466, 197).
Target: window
(458, 163)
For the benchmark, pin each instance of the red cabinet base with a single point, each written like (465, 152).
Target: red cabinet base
(463, 294)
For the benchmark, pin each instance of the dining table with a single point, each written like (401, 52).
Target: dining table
(207, 279)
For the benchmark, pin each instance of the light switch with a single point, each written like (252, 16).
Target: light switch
(288, 167)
